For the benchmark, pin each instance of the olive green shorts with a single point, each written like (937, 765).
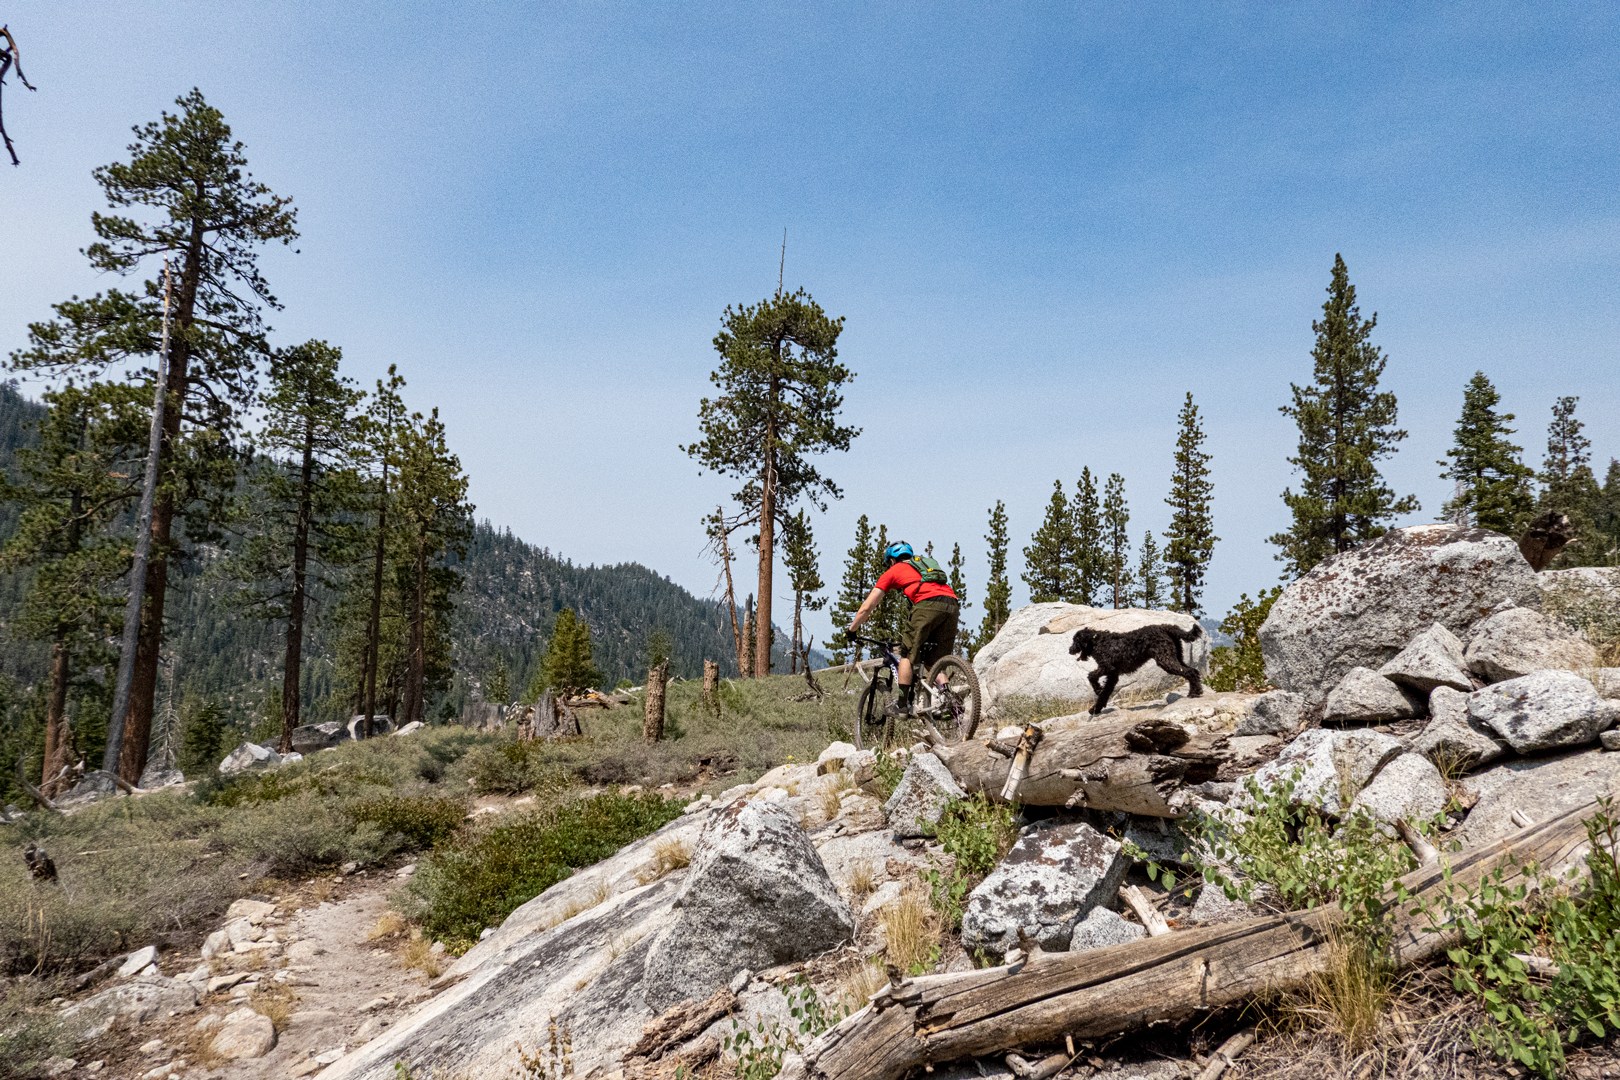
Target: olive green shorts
(931, 632)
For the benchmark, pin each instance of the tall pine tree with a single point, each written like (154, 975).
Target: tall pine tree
(997, 589)
(1492, 484)
(1568, 485)
(1116, 543)
(1090, 559)
(206, 212)
(958, 580)
(1346, 425)
(1150, 575)
(804, 577)
(854, 585)
(1049, 558)
(1190, 540)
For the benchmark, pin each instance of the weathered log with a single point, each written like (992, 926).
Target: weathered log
(681, 1023)
(1118, 762)
(1028, 740)
(1154, 980)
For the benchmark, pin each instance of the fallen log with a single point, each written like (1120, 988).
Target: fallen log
(1122, 762)
(939, 1018)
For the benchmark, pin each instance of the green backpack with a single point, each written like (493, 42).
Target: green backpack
(929, 568)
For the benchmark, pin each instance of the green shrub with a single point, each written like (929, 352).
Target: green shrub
(458, 892)
(511, 767)
(30, 1035)
(975, 833)
(1535, 1017)
(302, 834)
(757, 1051)
(422, 821)
(1240, 666)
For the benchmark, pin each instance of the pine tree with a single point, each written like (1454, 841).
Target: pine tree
(498, 687)
(567, 668)
(382, 429)
(435, 520)
(1608, 515)
(1150, 575)
(854, 586)
(1190, 540)
(781, 388)
(1116, 543)
(301, 503)
(211, 217)
(70, 489)
(203, 733)
(1569, 487)
(997, 589)
(1492, 484)
(958, 582)
(888, 621)
(1090, 560)
(1346, 424)
(804, 577)
(1049, 558)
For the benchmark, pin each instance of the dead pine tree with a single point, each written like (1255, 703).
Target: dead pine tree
(10, 57)
(719, 529)
(652, 726)
(711, 687)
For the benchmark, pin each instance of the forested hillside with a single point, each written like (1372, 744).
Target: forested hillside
(503, 617)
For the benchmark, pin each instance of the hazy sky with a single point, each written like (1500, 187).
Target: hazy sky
(1043, 223)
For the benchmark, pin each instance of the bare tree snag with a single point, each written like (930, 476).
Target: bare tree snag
(1110, 762)
(711, 686)
(652, 725)
(10, 56)
(1101, 992)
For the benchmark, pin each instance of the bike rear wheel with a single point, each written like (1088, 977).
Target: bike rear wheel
(955, 686)
(869, 718)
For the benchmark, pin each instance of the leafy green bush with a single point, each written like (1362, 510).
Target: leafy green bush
(422, 821)
(301, 834)
(458, 892)
(1535, 1016)
(511, 767)
(1240, 666)
(975, 833)
(757, 1051)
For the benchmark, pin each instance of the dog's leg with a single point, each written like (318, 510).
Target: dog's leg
(1097, 692)
(1107, 692)
(1182, 670)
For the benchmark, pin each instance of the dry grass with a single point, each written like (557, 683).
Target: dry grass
(911, 933)
(862, 880)
(857, 989)
(390, 924)
(1347, 1000)
(598, 894)
(420, 956)
(275, 1001)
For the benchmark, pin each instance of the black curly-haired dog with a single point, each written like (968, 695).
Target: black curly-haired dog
(1119, 654)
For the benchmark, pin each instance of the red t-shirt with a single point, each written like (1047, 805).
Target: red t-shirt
(908, 579)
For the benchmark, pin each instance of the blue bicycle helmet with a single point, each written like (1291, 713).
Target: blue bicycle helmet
(897, 551)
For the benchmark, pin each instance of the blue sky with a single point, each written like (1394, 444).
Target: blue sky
(1043, 223)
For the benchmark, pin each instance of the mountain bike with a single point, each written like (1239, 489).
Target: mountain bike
(945, 701)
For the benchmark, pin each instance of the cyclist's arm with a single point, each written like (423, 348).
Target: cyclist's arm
(873, 599)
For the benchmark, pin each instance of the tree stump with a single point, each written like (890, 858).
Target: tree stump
(652, 726)
(711, 686)
(546, 724)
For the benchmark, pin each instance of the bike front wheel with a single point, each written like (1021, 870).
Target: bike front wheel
(869, 718)
(955, 688)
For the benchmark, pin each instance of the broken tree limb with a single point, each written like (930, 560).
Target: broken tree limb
(1119, 762)
(1226, 1055)
(1151, 919)
(1106, 991)
(1427, 854)
(1028, 740)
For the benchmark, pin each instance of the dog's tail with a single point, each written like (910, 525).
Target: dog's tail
(1187, 635)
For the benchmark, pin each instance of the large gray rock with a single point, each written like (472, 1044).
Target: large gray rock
(1331, 766)
(1029, 656)
(1546, 710)
(1409, 789)
(1452, 740)
(1276, 712)
(1051, 879)
(1518, 641)
(244, 1035)
(1361, 608)
(1606, 680)
(1540, 787)
(1365, 697)
(1582, 594)
(308, 738)
(925, 789)
(247, 758)
(1433, 658)
(129, 1004)
(757, 895)
(1102, 928)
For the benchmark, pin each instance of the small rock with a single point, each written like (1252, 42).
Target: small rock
(215, 944)
(1102, 928)
(151, 1046)
(244, 1035)
(242, 930)
(254, 911)
(1518, 641)
(1214, 906)
(348, 868)
(61, 1066)
(248, 757)
(832, 759)
(373, 1026)
(138, 961)
(1610, 740)
(411, 728)
(918, 802)
(1545, 710)
(1364, 696)
(222, 983)
(406, 872)
(1452, 740)
(303, 951)
(377, 1003)
(1408, 789)
(1433, 658)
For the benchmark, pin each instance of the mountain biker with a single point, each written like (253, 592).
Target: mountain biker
(931, 628)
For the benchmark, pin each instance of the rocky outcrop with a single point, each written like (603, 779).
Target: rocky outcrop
(1361, 608)
(1276, 712)
(1365, 697)
(1452, 740)
(925, 789)
(308, 738)
(1433, 658)
(247, 758)
(1537, 787)
(1545, 710)
(1409, 789)
(1051, 879)
(1029, 656)
(1329, 768)
(149, 997)
(1519, 641)
(757, 895)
